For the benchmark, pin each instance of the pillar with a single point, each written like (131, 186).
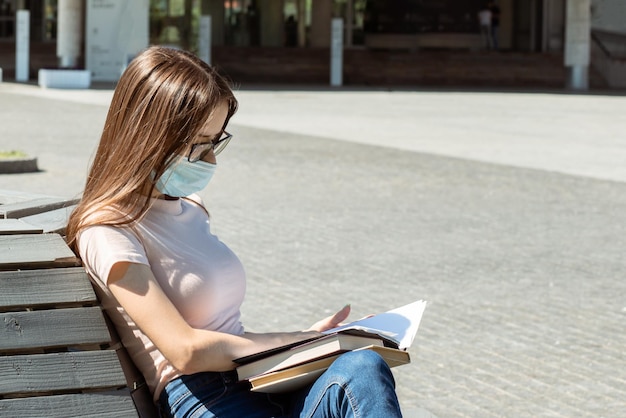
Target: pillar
(272, 22)
(215, 9)
(578, 43)
(70, 32)
(321, 15)
(22, 45)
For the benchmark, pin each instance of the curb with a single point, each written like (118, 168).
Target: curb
(18, 165)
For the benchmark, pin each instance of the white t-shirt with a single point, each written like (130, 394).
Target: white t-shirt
(202, 277)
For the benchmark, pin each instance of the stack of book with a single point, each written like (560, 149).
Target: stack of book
(295, 365)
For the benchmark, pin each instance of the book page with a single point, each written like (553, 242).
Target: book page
(399, 325)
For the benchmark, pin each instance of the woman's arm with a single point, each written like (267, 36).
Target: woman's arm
(191, 350)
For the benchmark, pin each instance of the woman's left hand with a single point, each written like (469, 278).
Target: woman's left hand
(332, 321)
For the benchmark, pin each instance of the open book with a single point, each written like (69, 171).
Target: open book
(397, 327)
(294, 365)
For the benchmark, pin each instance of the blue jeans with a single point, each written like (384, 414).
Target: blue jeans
(357, 384)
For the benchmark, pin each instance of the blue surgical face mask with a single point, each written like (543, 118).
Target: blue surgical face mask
(182, 178)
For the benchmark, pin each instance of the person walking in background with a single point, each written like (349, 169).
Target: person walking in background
(172, 288)
(495, 24)
(484, 20)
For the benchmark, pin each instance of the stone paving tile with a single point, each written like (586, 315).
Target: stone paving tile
(523, 268)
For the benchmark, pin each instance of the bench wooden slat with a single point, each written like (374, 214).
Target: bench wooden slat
(52, 328)
(51, 221)
(34, 288)
(35, 251)
(17, 226)
(54, 337)
(114, 404)
(60, 372)
(34, 206)
(14, 196)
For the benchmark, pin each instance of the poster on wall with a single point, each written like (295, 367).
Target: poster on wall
(116, 31)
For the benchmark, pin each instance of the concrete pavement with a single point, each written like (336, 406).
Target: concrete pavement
(505, 210)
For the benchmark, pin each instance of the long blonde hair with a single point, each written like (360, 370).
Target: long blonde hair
(161, 102)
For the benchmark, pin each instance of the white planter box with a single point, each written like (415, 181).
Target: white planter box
(64, 79)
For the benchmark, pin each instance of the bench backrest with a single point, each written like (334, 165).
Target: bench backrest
(59, 356)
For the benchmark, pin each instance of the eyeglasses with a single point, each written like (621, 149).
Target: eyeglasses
(199, 151)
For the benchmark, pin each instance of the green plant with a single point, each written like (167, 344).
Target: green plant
(12, 154)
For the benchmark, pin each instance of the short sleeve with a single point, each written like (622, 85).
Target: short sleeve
(101, 247)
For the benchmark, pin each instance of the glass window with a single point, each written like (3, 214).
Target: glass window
(50, 20)
(341, 8)
(7, 19)
(297, 22)
(242, 23)
(174, 23)
(418, 16)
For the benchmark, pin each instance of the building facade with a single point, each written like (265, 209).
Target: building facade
(290, 32)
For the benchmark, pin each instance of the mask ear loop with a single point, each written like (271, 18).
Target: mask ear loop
(172, 161)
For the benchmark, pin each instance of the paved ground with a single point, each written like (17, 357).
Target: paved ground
(506, 211)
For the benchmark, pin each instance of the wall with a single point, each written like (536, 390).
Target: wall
(609, 15)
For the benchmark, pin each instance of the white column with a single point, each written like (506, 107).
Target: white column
(70, 32)
(336, 52)
(578, 43)
(22, 45)
(204, 39)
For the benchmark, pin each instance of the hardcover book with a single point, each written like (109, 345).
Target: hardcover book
(297, 376)
(291, 366)
(272, 360)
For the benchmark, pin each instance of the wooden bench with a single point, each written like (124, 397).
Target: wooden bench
(59, 355)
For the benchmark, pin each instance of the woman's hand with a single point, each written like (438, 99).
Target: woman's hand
(332, 321)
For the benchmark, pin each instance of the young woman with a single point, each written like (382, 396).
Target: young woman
(172, 289)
